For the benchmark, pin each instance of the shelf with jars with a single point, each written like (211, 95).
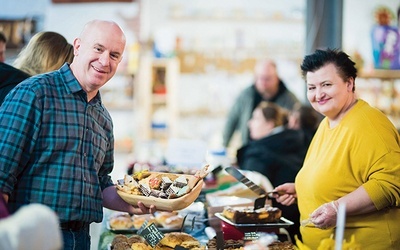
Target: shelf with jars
(381, 88)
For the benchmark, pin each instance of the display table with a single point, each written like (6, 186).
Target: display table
(194, 212)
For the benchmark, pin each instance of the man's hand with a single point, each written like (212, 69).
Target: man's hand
(142, 209)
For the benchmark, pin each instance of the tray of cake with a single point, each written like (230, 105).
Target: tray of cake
(246, 216)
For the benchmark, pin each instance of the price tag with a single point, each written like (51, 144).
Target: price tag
(151, 234)
(251, 236)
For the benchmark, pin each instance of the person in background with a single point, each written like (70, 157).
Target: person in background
(267, 86)
(3, 47)
(274, 151)
(305, 119)
(352, 161)
(45, 52)
(57, 141)
(33, 227)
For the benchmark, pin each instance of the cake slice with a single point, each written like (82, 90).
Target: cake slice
(247, 215)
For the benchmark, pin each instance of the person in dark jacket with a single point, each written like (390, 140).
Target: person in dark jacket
(9, 78)
(45, 52)
(274, 151)
(306, 119)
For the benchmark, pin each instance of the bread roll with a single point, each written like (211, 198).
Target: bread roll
(175, 239)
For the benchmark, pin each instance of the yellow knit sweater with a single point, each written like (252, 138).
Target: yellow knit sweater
(363, 149)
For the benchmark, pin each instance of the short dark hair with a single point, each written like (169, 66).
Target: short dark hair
(344, 65)
(3, 37)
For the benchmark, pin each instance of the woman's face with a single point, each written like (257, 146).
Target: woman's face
(328, 93)
(259, 127)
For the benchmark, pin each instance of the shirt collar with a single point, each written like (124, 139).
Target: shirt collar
(74, 86)
(276, 130)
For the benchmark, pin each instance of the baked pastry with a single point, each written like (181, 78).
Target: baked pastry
(247, 215)
(173, 222)
(136, 239)
(161, 216)
(121, 246)
(119, 238)
(281, 246)
(120, 221)
(228, 244)
(139, 220)
(141, 246)
(177, 239)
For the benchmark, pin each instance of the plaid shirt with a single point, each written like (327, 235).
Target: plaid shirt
(55, 147)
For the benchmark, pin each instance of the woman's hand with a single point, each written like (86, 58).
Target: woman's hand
(289, 197)
(325, 216)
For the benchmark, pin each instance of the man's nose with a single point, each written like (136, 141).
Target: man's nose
(104, 58)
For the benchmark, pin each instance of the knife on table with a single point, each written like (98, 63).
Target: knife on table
(259, 202)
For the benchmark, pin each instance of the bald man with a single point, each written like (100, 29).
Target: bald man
(267, 86)
(56, 138)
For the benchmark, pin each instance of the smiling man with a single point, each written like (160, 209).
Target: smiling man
(56, 138)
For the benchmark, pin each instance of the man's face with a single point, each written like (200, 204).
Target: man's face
(97, 55)
(2, 52)
(266, 81)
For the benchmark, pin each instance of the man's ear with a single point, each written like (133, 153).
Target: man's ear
(77, 45)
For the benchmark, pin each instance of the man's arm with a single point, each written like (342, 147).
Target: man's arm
(112, 200)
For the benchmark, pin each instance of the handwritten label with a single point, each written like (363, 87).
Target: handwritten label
(251, 236)
(151, 234)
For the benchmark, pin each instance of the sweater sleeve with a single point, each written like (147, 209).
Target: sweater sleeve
(383, 185)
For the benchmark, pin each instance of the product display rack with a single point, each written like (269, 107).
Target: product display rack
(156, 99)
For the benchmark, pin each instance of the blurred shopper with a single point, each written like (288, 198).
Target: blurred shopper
(268, 87)
(56, 138)
(274, 151)
(45, 52)
(353, 160)
(33, 227)
(3, 47)
(305, 119)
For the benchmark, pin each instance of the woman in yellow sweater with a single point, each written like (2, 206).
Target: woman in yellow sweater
(353, 159)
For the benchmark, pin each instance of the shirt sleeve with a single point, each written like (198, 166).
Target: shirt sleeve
(18, 127)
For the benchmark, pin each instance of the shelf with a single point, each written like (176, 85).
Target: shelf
(380, 73)
(156, 108)
(261, 19)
